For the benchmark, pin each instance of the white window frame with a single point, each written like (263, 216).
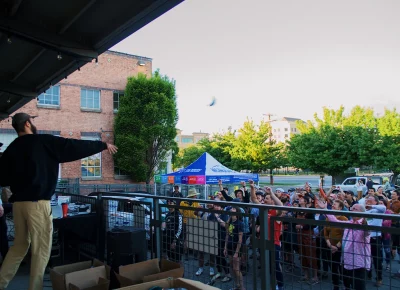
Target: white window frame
(47, 94)
(119, 93)
(90, 108)
(87, 158)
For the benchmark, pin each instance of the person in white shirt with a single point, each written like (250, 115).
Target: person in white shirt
(371, 192)
(373, 206)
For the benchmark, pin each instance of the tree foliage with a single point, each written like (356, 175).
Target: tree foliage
(248, 148)
(338, 141)
(145, 125)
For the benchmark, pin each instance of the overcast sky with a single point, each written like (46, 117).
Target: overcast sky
(285, 57)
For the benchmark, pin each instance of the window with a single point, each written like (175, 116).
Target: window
(286, 136)
(51, 97)
(286, 129)
(90, 99)
(116, 98)
(350, 181)
(177, 138)
(6, 139)
(120, 172)
(91, 166)
(187, 140)
(294, 129)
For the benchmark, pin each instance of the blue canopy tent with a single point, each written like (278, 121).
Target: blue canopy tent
(206, 170)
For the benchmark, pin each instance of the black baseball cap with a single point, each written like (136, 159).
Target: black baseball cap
(20, 118)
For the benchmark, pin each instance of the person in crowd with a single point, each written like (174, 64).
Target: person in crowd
(173, 233)
(333, 238)
(222, 265)
(322, 251)
(372, 206)
(356, 250)
(307, 243)
(386, 184)
(370, 183)
(386, 237)
(207, 216)
(189, 214)
(380, 193)
(395, 208)
(350, 198)
(233, 242)
(176, 192)
(272, 199)
(361, 188)
(371, 192)
(29, 166)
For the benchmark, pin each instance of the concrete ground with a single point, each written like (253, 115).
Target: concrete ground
(21, 281)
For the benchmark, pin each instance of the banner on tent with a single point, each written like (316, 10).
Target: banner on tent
(201, 179)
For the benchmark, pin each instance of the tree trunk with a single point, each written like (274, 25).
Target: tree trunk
(271, 177)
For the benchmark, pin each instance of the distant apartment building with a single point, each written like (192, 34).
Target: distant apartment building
(185, 141)
(83, 106)
(283, 129)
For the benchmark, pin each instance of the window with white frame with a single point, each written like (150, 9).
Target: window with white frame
(6, 139)
(116, 98)
(91, 166)
(51, 97)
(90, 99)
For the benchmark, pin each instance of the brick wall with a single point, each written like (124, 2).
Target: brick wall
(108, 75)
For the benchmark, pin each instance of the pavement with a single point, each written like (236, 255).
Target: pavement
(291, 279)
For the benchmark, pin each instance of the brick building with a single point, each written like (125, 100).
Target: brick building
(83, 106)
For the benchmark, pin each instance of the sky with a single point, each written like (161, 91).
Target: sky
(288, 58)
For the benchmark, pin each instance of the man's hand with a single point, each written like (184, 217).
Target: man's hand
(243, 184)
(219, 182)
(1, 210)
(251, 182)
(112, 148)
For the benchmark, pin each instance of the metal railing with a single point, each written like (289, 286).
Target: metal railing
(256, 267)
(298, 259)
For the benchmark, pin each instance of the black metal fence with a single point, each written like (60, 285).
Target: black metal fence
(249, 246)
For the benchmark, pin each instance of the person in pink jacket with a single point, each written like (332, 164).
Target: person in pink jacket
(356, 250)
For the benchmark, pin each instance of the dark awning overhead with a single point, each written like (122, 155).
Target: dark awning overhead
(43, 41)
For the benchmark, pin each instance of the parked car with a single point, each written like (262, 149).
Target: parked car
(351, 183)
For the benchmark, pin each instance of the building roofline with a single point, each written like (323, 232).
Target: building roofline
(128, 55)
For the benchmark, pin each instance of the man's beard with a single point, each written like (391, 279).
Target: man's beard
(33, 129)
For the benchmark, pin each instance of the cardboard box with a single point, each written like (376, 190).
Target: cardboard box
(171, 283)
(93, 275)
(148, 271)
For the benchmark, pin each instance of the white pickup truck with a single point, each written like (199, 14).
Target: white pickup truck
(351, 183)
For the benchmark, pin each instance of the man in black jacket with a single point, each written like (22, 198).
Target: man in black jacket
(30, 167)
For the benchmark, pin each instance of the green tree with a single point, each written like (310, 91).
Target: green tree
(145, 125)
(387, 146)
(187, 156)
(255, 148)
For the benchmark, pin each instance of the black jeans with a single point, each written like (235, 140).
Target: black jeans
(220, 259)
(377, 257)
(322, 254)
(354, 279)
(278, 267)
(336, 269)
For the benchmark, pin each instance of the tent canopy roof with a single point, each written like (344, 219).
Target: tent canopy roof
(208, 170)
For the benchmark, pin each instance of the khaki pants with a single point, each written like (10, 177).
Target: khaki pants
(33, 224)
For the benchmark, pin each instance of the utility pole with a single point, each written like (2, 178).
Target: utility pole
(269, 115)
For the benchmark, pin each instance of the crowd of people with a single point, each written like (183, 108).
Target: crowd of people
(352, 255)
